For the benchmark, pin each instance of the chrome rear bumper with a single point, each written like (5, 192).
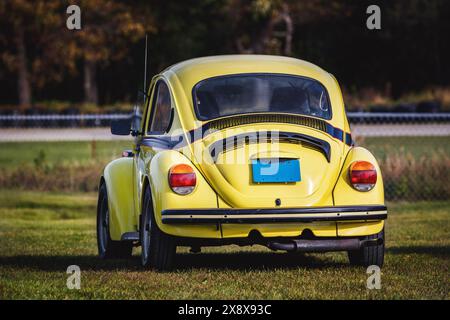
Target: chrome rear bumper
(275, 215)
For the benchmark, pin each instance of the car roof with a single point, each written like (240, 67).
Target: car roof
(191, 71)
(183, 77)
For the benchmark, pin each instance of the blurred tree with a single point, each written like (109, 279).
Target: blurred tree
(267, 26)
(39, 48)
(47, 61)
(187, 29)
(254, 23)
(13, 16)
(107, 29)
(31, 44)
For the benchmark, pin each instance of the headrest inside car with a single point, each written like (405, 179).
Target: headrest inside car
(289, 99)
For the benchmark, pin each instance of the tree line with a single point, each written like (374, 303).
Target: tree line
(102, 63)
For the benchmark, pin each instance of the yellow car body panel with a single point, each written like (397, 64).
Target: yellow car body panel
(226, 186)
(358, 229)
(230, 178)
(183, 76)
(319, 229)
(345, 194)
(164, 198)
(118, 177)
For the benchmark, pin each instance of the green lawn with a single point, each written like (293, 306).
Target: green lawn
(43, 233)
(15, 154)
(416, 146)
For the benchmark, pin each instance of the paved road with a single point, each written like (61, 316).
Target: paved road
(59, 134)
(104, 134)
(400, 130)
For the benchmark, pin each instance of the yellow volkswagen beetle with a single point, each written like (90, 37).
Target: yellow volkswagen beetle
(242, 149)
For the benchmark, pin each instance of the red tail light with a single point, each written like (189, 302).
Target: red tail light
(182, 179)
(363, 175)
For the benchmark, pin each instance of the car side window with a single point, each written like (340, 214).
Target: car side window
(161, 109)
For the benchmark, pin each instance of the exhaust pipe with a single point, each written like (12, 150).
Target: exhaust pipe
(301, 245)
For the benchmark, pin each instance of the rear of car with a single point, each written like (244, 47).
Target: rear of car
(243, 150)
(269, 137)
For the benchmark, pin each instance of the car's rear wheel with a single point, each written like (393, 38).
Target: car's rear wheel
(371, 255)
(158, 248)
(107, 248)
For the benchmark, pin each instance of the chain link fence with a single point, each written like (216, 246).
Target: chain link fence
(413, 149)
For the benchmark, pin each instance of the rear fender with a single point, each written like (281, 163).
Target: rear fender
(163, 197)
(118, 177)
(344, 194)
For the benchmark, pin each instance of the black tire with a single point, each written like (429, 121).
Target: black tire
(107, 248)
(367, 256)
(158, 248)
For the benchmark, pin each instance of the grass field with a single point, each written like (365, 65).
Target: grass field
(16, 154)
(416, 146)
(41, 234)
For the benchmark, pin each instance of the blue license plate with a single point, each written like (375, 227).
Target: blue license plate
(276, 170)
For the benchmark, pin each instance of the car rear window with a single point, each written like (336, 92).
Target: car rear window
(260, 93)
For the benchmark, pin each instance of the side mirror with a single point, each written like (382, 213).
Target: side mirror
(121, 127)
